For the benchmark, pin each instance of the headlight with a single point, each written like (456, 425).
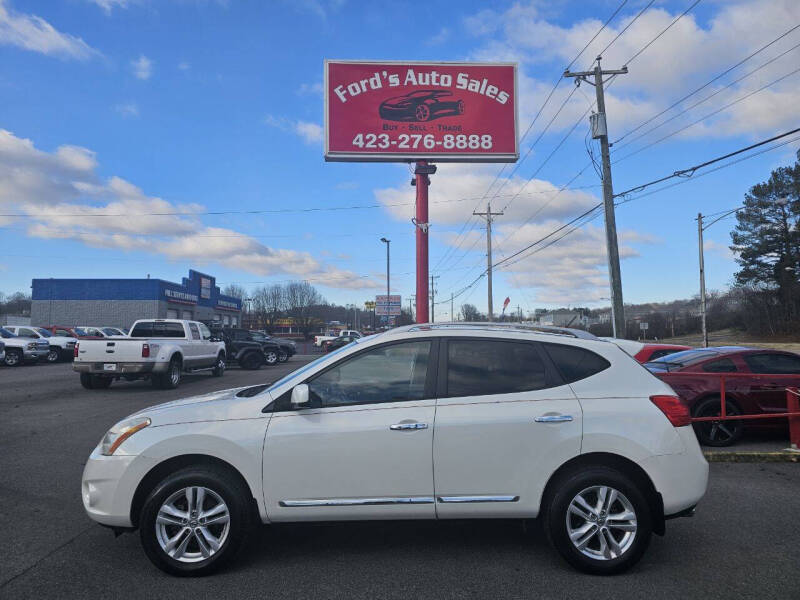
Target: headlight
(32, 346)
(121, 432)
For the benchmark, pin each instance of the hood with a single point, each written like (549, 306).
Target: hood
(215, 406)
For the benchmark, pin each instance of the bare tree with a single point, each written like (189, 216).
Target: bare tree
(235, 290)
(301, 298)
(471, 313)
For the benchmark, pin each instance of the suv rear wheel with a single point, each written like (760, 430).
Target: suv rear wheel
(172, 378)
(598, 520)
(270, 357)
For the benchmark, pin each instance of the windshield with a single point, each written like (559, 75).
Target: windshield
(6, 333)
(682, 359)
(44, 332)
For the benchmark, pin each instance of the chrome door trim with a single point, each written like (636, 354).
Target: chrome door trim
(406, 426)
(553, 419)
(355, 501)
(465, 499)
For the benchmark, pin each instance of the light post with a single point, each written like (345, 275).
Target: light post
(387, 242)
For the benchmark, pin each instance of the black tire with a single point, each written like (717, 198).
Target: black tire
(251, 361)
(230, 489)
(270, 357)
(219, 368)
(556, 507)
(87, 381)
(172, 378)
(53, 355)
(283, 356)
(100, 383)
(13, 358)
(717, 433)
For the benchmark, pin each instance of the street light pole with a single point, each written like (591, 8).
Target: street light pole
(387, 242)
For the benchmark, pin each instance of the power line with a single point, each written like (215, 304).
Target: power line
(624, 29)
(699, 102)
(648, 44)
(691, 170)
(705, 85)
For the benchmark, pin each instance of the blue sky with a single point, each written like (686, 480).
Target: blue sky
(130, 107)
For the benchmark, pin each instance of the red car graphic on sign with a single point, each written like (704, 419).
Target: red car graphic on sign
(421, 105)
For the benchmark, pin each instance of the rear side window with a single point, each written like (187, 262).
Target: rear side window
(722, 365)
(158, 329)
(773, 363)
(485, 367)
(195, 331)
(575, 363)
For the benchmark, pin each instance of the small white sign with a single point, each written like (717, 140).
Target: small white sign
(644, 326)
(110, 367)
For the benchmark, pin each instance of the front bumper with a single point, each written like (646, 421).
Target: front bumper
(37, 354)
(122, 368)
(108, 485)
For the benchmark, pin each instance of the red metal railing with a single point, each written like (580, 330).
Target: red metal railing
(792, 402)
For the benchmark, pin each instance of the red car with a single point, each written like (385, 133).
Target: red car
(647, 351)
(743, 394)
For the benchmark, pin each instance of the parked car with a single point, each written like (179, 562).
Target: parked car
(421, 422)
(102, 332)
(743, 395)
(60, 347)
(340, 341)
(74, 332)
(332, 335)
(647, 351)
(421, 105)
(270, 349)
(240, 349)
(157, 349)
(21, 350)
(286, 348)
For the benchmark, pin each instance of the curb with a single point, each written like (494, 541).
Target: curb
(753, 457)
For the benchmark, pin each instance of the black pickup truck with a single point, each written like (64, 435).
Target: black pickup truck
(286, 348)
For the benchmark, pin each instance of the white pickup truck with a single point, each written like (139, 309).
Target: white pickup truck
(158, 349)
(320, 339)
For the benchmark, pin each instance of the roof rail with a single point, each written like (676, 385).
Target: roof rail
(494, 325)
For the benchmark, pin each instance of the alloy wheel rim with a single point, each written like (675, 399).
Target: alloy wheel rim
(720, 431)
(192, 524)
(52, 356)
(12, 358)
(601, 522)
(271, 357)
(175, 374)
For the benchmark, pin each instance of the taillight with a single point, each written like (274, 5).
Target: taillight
(675, 410)
(75, 351)
(145, 350)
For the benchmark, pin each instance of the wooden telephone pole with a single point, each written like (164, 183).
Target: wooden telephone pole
(488, 216)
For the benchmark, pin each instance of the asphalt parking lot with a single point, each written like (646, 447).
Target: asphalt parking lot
(742, 543)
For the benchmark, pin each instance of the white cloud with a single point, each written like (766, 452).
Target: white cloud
(311, 89)
(440, 38)
(142, 67)
(60, 191)
(128, 109)
(311, 133)
(37, 35)
(108, 5)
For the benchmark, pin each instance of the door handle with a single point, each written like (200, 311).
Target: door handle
(553, 419)
(405, 426)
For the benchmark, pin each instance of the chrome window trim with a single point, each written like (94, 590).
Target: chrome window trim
(469, 499)
(355, 501)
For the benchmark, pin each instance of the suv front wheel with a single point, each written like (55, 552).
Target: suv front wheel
(599, 521)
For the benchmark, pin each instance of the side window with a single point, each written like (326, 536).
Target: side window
(773, 363)
(25, 332)
(62, 333)
(575, 363)
(205, 332)
(483, 367)
(391, 373)
(721, 365)
(195, 331)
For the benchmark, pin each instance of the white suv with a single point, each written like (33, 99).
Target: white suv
(421, 422)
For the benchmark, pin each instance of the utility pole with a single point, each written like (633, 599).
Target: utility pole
(452, 314)
(600, 130)
(433, 298)
(388, 316)
(488, 215)
(702, 279)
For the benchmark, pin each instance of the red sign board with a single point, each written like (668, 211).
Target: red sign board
(400, 111)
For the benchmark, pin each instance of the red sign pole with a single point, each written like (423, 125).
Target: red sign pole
(421, 223)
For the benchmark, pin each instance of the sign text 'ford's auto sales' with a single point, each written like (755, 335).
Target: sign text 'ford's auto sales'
(386, 111)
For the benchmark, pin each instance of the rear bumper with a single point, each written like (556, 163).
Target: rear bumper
(681, 479)
(122, 368)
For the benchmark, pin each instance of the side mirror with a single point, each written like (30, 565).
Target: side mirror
(300, 396)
